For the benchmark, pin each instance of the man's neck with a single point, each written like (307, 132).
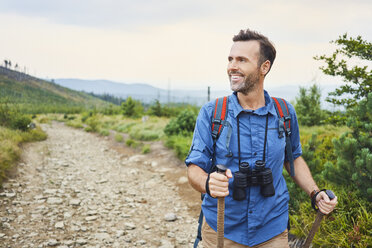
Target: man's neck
(252, 100)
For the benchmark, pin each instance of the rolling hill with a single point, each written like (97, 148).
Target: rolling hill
(34, 95)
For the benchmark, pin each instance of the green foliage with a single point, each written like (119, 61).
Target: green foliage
(119, 137)
(9, 146)
(348, 226)
(358, 78)
(132, 143)
(307, 106)
(144, 135)
(146, 149)
(93, 124)
(156, 109)
(104, 132)
(180, 144)
(353, 150)
(132, 108)
(11, 117)
(126, 127)
(183, 124)
(36, 96)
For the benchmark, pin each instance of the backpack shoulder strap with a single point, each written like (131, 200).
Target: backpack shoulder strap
(218, 122)
(281, 108)
(219, 116)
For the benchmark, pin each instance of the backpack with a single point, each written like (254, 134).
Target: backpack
(219, 121)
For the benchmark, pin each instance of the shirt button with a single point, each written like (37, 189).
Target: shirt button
(255, 153)
(250, 211)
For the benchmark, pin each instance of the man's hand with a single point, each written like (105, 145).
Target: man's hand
(324, 204)
(219, 184)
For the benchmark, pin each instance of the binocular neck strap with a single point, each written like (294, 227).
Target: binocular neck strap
(265, 141)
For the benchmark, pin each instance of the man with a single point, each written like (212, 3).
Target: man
(255, 220)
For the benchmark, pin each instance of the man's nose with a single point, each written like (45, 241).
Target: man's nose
(232, 65)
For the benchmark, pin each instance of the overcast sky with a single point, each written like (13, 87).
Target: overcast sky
(184, 42)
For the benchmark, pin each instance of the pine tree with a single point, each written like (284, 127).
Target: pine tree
(131, 107)
(354, 163)
(308, 106)
(358, 78)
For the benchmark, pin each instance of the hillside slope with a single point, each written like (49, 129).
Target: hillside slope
(34, 95)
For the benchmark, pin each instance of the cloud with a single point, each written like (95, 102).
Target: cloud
(109, 13)
(184, 41)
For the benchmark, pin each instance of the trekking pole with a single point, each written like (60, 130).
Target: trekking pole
(316, 224)
(220, 212)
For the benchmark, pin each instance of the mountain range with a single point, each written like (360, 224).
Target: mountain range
(147, 93)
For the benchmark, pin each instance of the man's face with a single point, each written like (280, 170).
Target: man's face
(243, 69)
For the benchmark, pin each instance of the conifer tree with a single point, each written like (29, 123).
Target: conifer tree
(353, 149)
(308, 106)
(358, 78)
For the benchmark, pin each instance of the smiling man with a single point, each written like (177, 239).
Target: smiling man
(256, 214)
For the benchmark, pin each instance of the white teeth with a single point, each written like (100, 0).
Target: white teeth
(235, 77)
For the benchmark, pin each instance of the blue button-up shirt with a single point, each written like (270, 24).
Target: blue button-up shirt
(256, 219)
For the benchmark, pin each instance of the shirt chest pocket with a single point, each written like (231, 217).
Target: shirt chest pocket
(275, 145)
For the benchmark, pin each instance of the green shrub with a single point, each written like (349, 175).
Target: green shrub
(146, 149)
(74, 123)
(104, 132)
(144, 135)
(88, 129)
(20, 122)
(180, 144)
(129, 142)
(92, 123)
(9, 146)
(119, 138)
(124, 128)
(11, 117)
(34, 135)
(132, 108)
(132, 143)
(348, 226)
(183, 124)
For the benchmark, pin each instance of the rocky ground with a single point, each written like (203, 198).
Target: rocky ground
(78, 189)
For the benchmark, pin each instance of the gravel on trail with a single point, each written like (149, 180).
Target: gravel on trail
(78, 189)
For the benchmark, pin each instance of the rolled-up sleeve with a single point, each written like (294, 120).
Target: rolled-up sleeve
(202, 143)
(295, 134)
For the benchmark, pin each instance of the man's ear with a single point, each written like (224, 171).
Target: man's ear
(265, 67)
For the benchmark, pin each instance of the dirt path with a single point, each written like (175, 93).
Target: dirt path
(77, 189)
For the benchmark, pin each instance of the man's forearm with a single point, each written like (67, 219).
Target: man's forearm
(303, 176)
(197, 177)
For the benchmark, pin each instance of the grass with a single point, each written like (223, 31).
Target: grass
(119, 137)
(146, 149)
(104, 132)
(180, 144)
(9, 146)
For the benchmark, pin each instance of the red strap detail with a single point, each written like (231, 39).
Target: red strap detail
(278, 106)
(289, 121)
(280, 109)
(223, 112)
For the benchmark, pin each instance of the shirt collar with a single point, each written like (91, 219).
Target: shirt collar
(268, 108)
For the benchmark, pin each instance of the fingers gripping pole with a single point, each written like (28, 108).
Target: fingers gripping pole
(220, 213)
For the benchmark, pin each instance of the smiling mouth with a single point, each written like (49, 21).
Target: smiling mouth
(235, 76)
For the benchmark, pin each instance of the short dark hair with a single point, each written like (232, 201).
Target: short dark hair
(267, 49)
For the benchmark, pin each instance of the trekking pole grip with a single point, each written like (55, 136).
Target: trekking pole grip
(220, 212)
(221, 169)
(318, 219)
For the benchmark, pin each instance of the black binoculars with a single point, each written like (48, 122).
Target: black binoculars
(259, 176)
